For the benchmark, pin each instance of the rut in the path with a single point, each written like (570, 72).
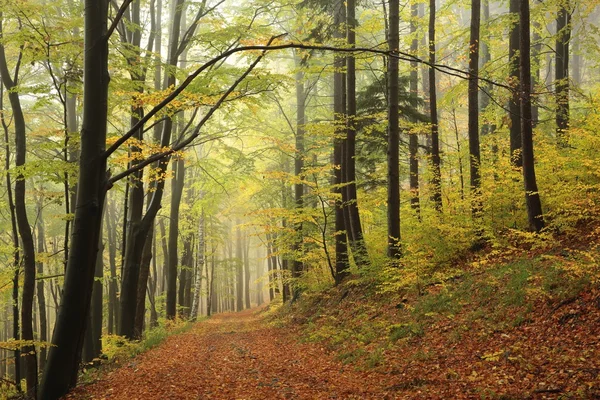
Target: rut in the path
(234, 356)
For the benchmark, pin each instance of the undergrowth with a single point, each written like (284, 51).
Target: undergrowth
(490, 293)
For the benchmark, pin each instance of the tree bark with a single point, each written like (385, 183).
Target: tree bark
(339, 110)
(239, 269)
(436, 180)
(201, 255)
(473, 96)
(413, 139)
(63, 358)
(176, 193)
(113, 307)
(27, 245)
(297, 266)
(563, 36)
(393, 213)
(41, 248)
(357, 242)
(516, 156)
(15, 243)
(246, 243)
(532, 197)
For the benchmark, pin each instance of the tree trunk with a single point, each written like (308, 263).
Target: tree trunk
(436, 180)
(516, 156)
(176, 193)
(339, 110)
(239, 269)
(532, 197)
(486, 91)
(563, 36)
(27, 245)
(474, 149)
(15, 243)
(187, 264)
(270, 270)
(63, 358)
(413, 139)
(357, 242)
(196, 308)
(113, 307)
(393, 213)
(41, 248)
(93, 338)
(297, 266)
(246, 244)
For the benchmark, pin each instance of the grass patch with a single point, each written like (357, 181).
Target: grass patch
(407, 330)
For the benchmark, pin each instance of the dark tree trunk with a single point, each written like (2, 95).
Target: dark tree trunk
(63, 358)
(436, 180)
(357, 242)
(413, 139)
(113, 306)
(474, 149)
(297, 266)
(563, 36)
(27, 245)
(532, 197)
(339, 110)
(393, 212)
(176, 193)
(92, 346)
(140, 308)
(514, 104)
(487, 87)
(536, 50)
(15, 242)
(41, 248)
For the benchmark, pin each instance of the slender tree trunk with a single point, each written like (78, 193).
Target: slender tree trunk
(474, 148)
(176, 193)
(15, 243)
(532, 197)
(27, 245)
(201, 255)
(436, 180)
(239, 269)
(41, 248)
(186, 266)
(63, 358)
(413, 139)
(514, 103)
(297, 266)
(357, 242)
(486, 91)
(113, 307)
(246, 244)
(270, 270)
(393, 213)
(563, 36)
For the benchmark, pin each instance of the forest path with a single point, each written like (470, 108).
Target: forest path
(234, 356)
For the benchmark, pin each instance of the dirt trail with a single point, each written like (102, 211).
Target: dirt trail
(234, 356)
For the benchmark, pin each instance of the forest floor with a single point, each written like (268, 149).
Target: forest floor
(234, 356)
